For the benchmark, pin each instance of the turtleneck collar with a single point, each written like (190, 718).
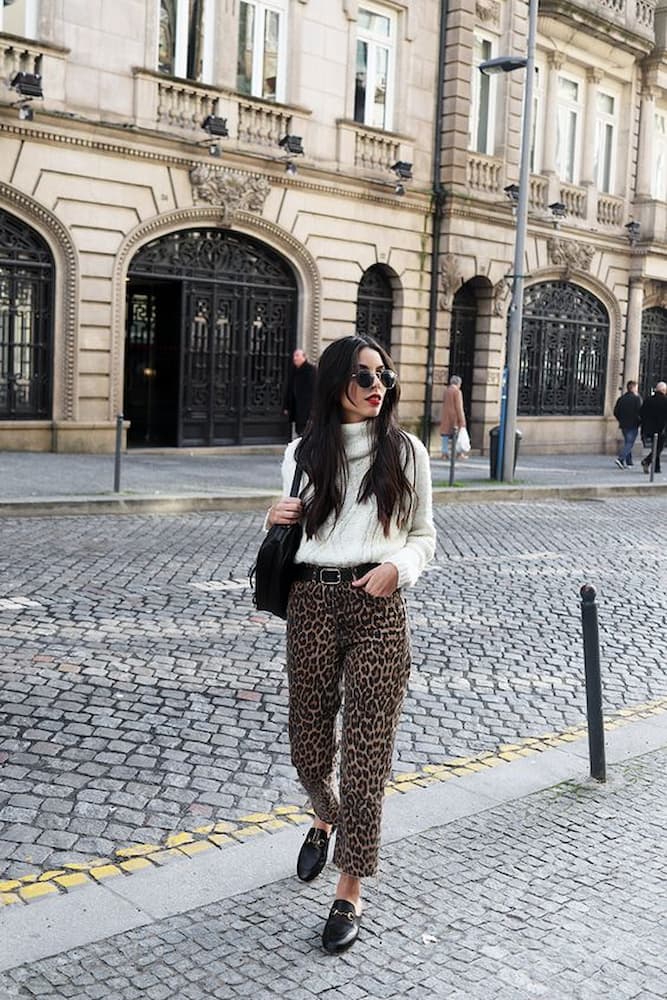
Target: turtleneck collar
(357, 439)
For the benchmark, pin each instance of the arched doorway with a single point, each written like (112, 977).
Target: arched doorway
(564, 343)
(653, 350)
(462, 341)
(375, 306)
(26, 322)
(211, 324)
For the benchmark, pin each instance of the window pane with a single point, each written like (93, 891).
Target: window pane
(361, 82)
(605, 104)
(271, 38)
(195, 39)
(245, 52)
(608, 144)
(376, 23)
(568, 89)
(14, 17)
(167, 49)
(379, 115)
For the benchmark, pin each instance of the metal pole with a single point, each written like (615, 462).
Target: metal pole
(654, 457)
(589, 620)
(119, 442)
(437, 215)
(516, 304)
(452, 454)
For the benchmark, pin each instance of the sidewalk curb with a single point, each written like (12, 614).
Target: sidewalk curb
(58, 924)
(257, 500)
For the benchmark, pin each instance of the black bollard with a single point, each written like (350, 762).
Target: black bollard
(654, 457)
(452, 454)
(589, 620)
(119, 441)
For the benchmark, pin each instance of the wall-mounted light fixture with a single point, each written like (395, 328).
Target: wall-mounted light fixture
(633, 230)
(403, 172)
(216, 126)
(558, 210)
(512, 192)
(292, 144)
(27, 84)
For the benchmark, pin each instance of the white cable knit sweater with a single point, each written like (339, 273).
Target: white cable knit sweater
(357, 536)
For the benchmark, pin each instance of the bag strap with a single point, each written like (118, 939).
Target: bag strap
(294, 491)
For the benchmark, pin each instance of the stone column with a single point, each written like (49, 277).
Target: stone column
(555, 63)
(593, 77)
(646, 144)
(633, 332)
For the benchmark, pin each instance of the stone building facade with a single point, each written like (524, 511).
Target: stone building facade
(206, 184)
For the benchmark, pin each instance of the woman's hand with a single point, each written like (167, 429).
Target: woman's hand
(287, 510)
(379, 582)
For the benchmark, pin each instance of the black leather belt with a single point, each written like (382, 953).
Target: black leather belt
(331, 574)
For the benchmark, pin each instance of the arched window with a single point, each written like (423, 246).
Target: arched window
(26, 319)
(564, 346)
(653, 351)
(375, 306)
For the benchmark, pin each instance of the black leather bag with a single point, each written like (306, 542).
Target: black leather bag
(273, 572)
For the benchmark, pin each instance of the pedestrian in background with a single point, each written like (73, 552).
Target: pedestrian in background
(653, 416)
(366, 509)
(298, 397)
(626, 412)
(452, 416)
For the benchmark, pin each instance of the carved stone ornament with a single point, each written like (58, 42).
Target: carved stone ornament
(450, 279)
(487, 11)
(571, 255)
(501, 292)
(233, 190)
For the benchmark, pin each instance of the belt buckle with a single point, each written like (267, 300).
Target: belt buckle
(325, 575)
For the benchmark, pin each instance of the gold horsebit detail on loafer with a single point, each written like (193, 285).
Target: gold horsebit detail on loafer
(342, 913)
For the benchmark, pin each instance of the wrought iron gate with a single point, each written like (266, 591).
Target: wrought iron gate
(237, 331)
(375, 306)
(564, 343)
(26, 322)
(462, 342)
(653, 350)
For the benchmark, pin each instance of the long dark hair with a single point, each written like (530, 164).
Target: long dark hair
(321, 451)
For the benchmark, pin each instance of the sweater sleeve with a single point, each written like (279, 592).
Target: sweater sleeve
(287, 474)
(419, 547)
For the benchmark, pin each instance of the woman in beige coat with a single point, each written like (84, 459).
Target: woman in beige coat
(452, 415)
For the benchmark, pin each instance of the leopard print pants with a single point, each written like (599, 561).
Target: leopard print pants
(340, 639)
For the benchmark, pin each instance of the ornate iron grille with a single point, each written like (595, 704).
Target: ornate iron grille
(26, 322)
(653, 350)
(238, 332)
(564, 347)
(462, 341)
(375, 306)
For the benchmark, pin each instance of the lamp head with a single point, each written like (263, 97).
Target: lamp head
(558, 210)
(512, 192)
(27, 84)
(633, 229)
(502, 64)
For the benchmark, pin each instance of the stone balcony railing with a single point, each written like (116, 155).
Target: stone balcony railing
(371, 150)
(17, 55)
(484, 173)
(575, 201)
(179, 107)
(610, 210)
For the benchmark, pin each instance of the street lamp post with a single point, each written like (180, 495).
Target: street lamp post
(506, 64)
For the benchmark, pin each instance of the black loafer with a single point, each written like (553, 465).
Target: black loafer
(313, 854)
(342, 927)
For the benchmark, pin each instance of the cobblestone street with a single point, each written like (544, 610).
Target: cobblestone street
(143, 694)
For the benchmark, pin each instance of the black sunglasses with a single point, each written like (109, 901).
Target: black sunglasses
(365, 379)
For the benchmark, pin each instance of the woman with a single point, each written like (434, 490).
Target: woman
(368, 531)
(452, 416)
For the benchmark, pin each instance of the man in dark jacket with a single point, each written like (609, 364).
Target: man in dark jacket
(626, 412)
(298, 396)
(653, 416)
